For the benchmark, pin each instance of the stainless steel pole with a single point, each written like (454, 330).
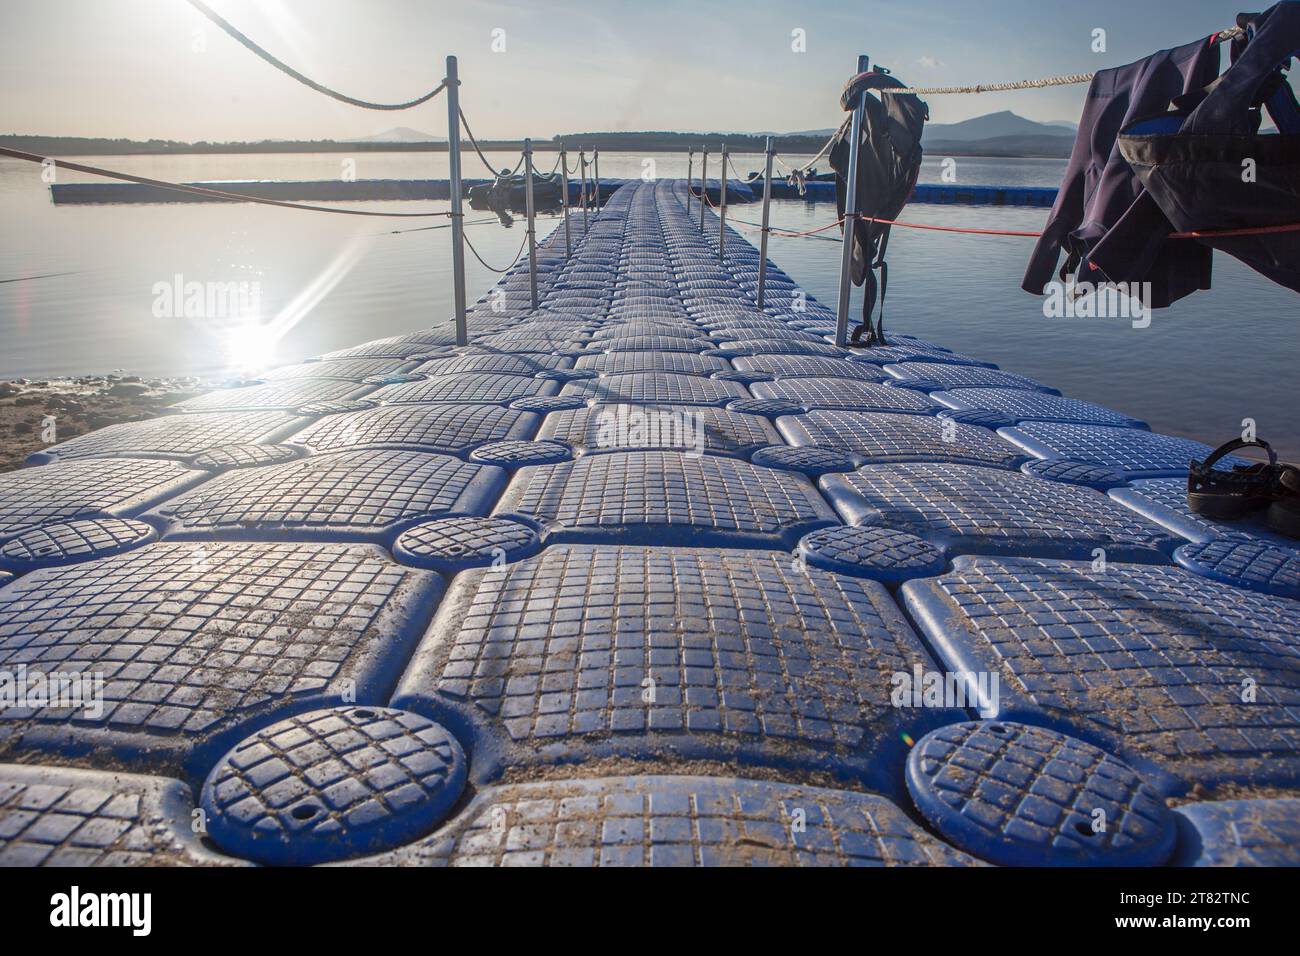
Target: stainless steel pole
(582, 159)
(690, 178)
(767, 208)
(564, 200)
(850, 220)
(457, 216)
(532, 219)
(704, 185)
(595, 160)
(722, 205)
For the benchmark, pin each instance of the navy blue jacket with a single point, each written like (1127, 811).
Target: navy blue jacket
(1101, 194)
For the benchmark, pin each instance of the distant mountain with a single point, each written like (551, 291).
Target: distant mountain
(989, 126)
(1052, 146)
(1064, 124)
(400, 134)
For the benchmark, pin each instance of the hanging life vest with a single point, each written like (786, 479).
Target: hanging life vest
(889, 162)
(1210, 170)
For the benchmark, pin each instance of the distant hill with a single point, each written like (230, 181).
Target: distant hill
(990, 126)
(1049, 147)
(400, 134)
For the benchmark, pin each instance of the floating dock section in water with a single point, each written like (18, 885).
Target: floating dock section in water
(332, 190)
(658, 578)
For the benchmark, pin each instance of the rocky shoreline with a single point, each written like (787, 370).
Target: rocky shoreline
(36, 414)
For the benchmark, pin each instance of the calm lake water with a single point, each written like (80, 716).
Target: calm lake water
(333, 281)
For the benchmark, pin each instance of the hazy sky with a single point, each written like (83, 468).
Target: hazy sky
(156, 68)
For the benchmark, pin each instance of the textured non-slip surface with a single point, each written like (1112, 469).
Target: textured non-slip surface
(1175, 671)
(619, 581)
(176, 642)
(435, 427)
(110, 487)
(588, 650)
(1240, 833)
(878, 437)
(690, 428)
(56, 816)
(667, 497)
(967, 508)
(360, 494)
(678, 821)
(332, 783)
(1135, 452)
(176, 436)
(1024, 405)
(72, 541)
(1026, 796)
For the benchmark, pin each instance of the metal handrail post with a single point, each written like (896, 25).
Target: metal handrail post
(457, 215)
(704, 185)
(850, 214)
(690, 178)
(722, 205)
(564, 200)
(532, 220)
(582, 160)
(595, 175)
(767, 207)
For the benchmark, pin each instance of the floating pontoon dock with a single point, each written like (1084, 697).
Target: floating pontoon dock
(646, 575)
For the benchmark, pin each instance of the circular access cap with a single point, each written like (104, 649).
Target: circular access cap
(337, 408)
(882, 554)
(73, 541)
(806, 459)
(980, 416)
(1026, 796)
(744, 376)
(332, 784)
(771, 407)
(516, 454)
(248, 455)
(455, 544)
(548, 403)
(1075, 473)
(1244, 562)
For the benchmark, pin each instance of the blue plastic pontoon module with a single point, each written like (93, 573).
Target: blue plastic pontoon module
(965, 508)
(664, 497)
(331, 784)
(874, 437)
(677, 821)
(93, 488)
(627, 427)
(72, 541)
(174, 436)
(58, 816)
(1188, 680)
(1137, 453)
(284, 396)
(193, 639)
(1027, 406)
(1263, 832)
(1027, 796)
(348, 496)
(586, 652)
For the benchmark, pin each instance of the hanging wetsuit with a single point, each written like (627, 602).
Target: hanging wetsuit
(1209, 169)
(1102, 195)
(889, 162)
